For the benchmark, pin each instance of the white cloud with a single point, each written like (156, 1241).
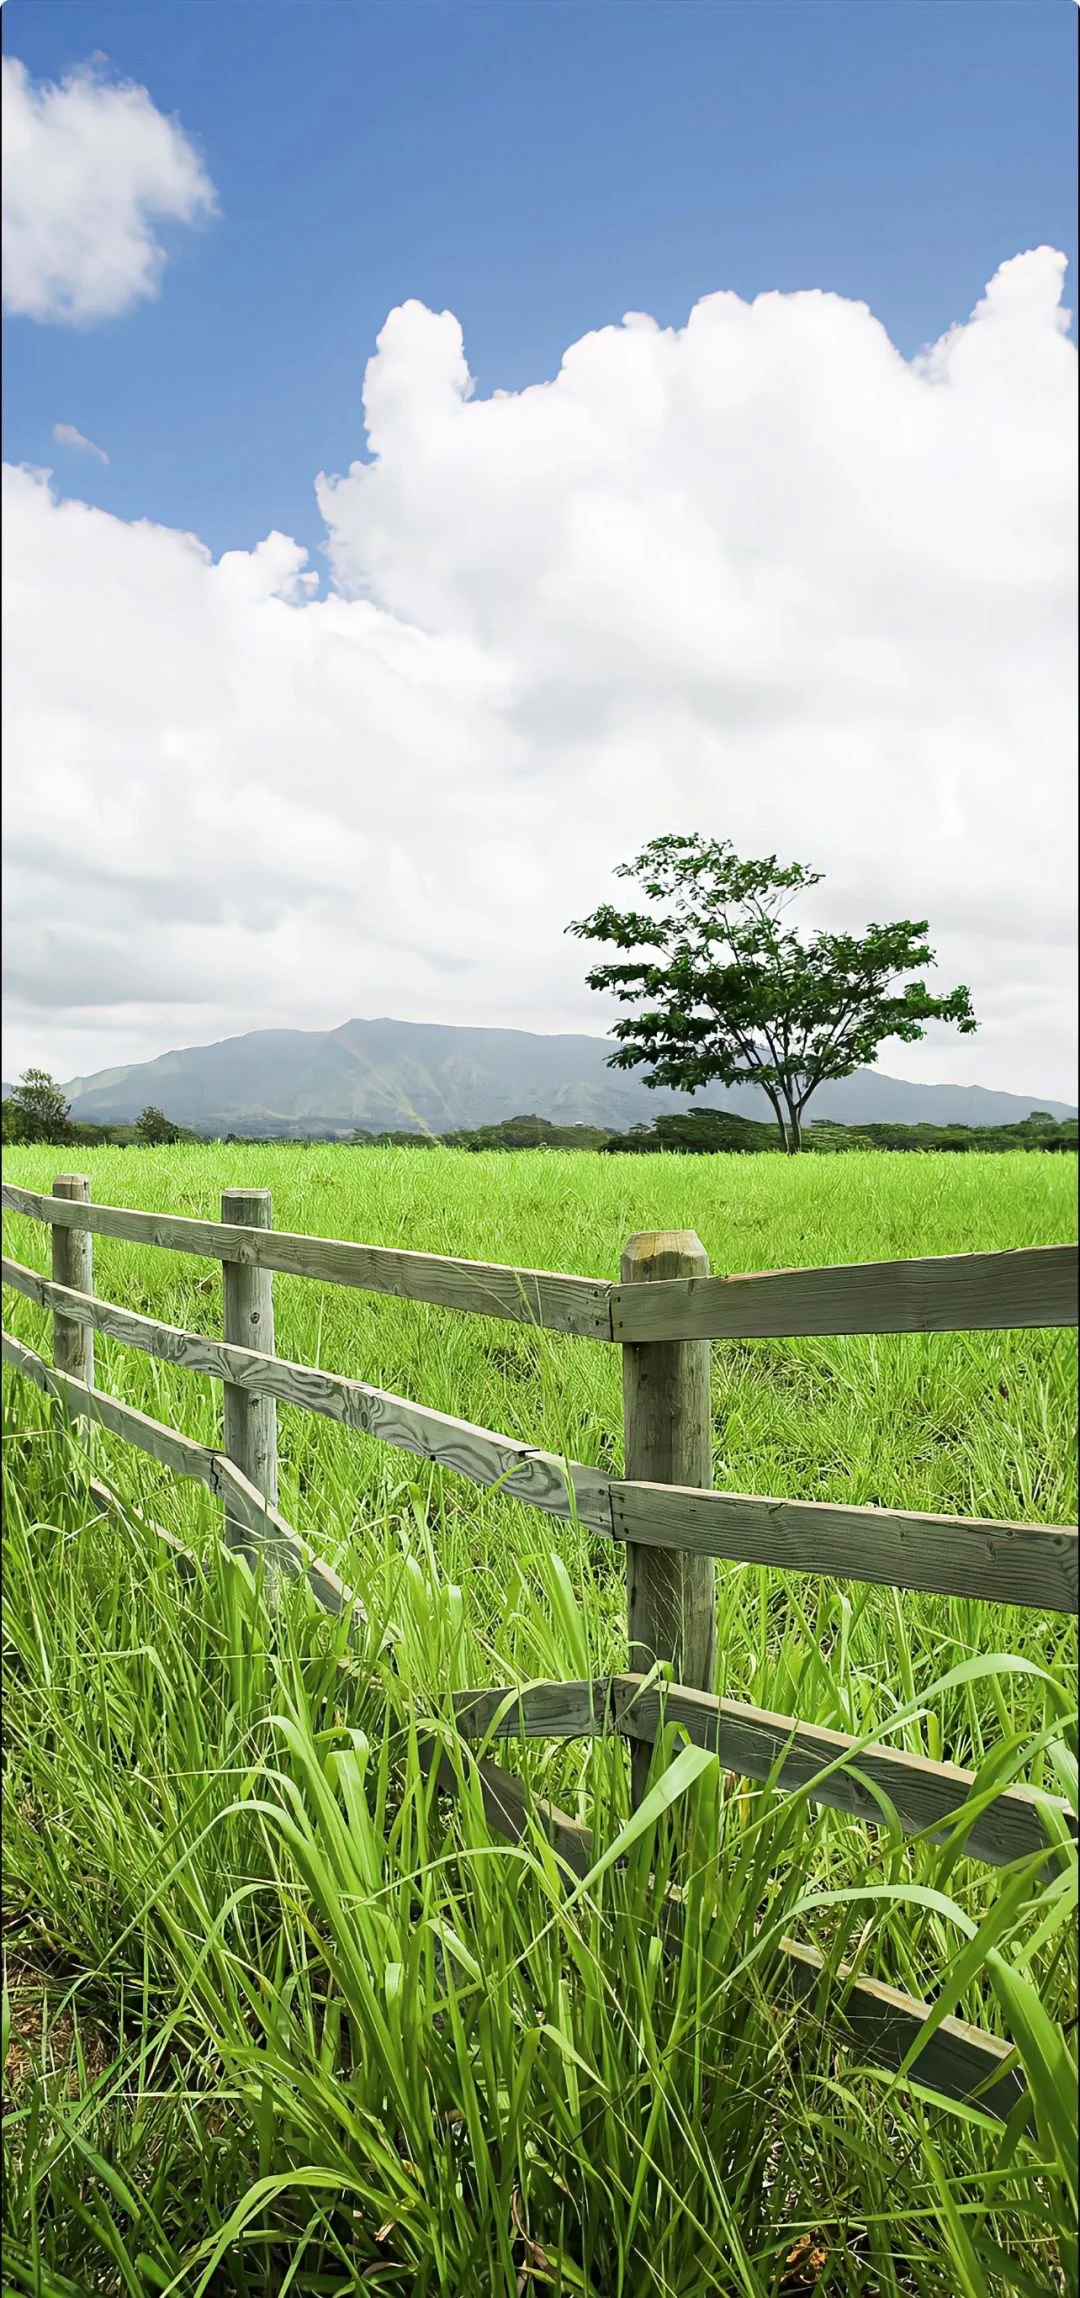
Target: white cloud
(758, 576)
(66, 435)
(88, 164)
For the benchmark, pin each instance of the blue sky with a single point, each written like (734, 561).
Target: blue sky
(538, 169)
(758, 517)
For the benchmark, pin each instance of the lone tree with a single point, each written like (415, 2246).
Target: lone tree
(154, 1129)
(37, 1110)
(727, 992)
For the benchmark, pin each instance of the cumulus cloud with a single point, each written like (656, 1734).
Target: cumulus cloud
(758, 576)
(66, 435)
(88, 165)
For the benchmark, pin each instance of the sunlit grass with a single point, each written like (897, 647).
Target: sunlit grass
(272, 2001)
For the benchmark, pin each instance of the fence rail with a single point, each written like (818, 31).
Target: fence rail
(750, 1741)
(846, 1774)
(889, 2027)
(268, 1532)
(526, 1472)
(950, 1293)
(523, 1296)
(1009, 1563)
(953, 1292)
(663, 1511)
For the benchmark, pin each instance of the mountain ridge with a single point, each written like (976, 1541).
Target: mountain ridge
(438, 1077)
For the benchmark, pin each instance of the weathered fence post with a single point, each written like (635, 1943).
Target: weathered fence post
(667, 1439)
(73, 1264)
(250, 1421)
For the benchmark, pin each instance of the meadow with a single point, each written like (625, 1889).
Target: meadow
(277, 2018)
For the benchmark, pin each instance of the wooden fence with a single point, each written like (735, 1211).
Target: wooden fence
(663, 1315)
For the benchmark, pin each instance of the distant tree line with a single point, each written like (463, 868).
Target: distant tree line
(509, 1133)
(704, 1132)
(708, 1132)
(36, 1111)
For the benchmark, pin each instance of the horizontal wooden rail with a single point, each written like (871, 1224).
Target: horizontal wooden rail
(953, 1292)
(527, 1473)
(583, 1708)
(524, 1296)
(752, 1740)
(755, 1744)
(267, 1529)
(959, 2061)
(959, 1292)
(1027, 1564)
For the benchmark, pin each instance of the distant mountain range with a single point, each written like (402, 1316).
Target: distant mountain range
(429, 1077)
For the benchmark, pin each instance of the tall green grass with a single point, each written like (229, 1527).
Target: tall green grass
(281, 2019)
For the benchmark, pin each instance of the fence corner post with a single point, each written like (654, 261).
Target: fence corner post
(73, 1265)
(667, 1439)
(250, 1421)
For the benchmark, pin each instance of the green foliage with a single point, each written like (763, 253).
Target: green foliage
(530, 1133)
(37, 1111)
(281, 2019)
(729, 994)
(133, 1137)
(396, 1140)
(154, 1130)
(700, 1133)
(1039, 1131)
(693, 1132)
(713, 1132)
(104, 1136)
(510, 1133)
(722, 1132)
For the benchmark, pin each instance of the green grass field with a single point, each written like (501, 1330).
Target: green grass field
(280, 2021)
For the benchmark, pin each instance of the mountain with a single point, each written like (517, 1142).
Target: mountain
(428, 1077)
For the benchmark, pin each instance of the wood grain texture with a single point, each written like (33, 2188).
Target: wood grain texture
(73, 1264)
(567, 1304)
(184, 1457)
(954, 1292)
(1029, 1564)
(667, 1438)
(526, 1473)
(582, 1710)
(250, 1417)
(755, 1744)
(958, 2062)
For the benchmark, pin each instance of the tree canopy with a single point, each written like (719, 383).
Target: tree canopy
(154, 1130)
(37, 1110)
(727, 992)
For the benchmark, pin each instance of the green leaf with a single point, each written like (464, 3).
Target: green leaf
(1046, 2060)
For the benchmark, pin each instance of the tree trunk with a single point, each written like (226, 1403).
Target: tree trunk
(793, 1142)
(778, 1114)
